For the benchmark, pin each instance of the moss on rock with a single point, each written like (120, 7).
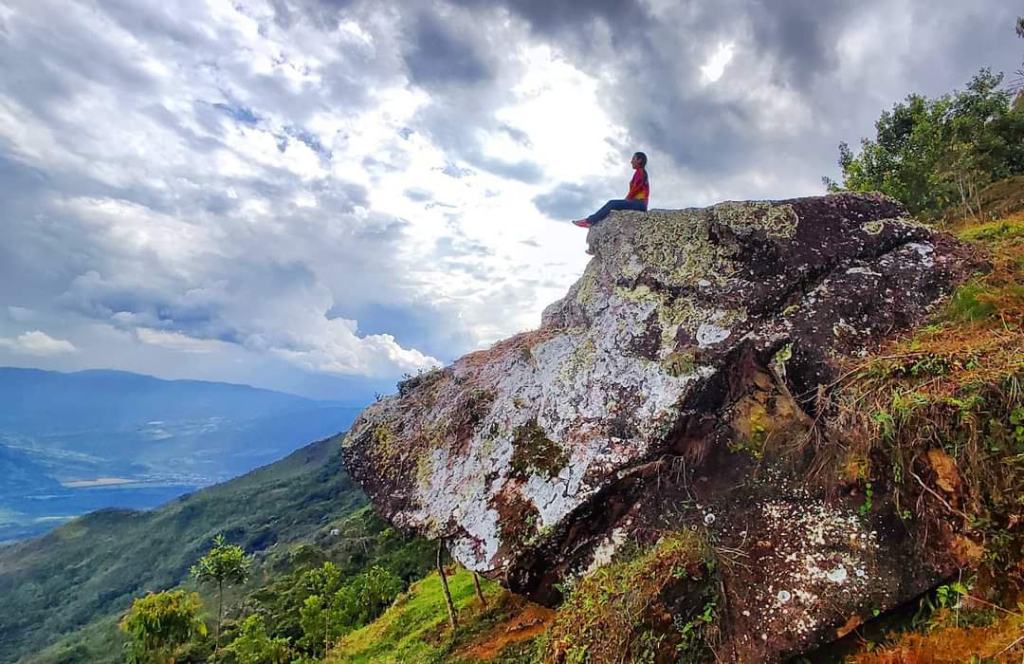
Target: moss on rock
(535, 453)
(655, 606)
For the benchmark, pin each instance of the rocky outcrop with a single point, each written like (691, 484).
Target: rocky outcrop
(675, 387)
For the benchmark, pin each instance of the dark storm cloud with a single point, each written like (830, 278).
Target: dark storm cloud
(786, 53)
(800, 34)
(439, 55)
(570, 200)
(551, 17)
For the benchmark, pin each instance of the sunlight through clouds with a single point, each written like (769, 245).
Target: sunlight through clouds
(715, 65)
(283, 190)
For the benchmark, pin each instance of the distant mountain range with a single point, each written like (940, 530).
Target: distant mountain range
(75, 442)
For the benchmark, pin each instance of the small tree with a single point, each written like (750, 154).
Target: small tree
(336, 608)
(224, 564)
(366, 597)
(160, 623)
(315, 615)
(254, 646)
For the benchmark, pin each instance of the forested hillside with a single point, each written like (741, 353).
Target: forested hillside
(90, 569)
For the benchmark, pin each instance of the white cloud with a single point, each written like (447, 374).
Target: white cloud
(221, 184)
(177, 341)
(37, 342)
(715, 65)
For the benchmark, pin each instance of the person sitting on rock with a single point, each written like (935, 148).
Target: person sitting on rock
(636, 199)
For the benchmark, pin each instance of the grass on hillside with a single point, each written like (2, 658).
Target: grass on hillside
(941, 410)
(974, 633)
(617, 613)
(416, 629)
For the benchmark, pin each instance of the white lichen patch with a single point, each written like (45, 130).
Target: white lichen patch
(456, 492)
(925, 251)
(606, 549)
(709, 334)
(818, 552)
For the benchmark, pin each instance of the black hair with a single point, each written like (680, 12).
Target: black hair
(643, 159)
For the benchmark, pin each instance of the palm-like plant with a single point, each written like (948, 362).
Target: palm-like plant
(224, 564)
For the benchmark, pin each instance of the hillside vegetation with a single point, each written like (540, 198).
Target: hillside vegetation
(91, 568)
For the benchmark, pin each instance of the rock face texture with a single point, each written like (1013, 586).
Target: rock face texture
(647, 401)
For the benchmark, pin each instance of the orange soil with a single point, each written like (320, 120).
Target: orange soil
(532, 620)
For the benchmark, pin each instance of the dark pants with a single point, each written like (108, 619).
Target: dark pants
(617, 204)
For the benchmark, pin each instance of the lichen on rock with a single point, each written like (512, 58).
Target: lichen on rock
(686, 360)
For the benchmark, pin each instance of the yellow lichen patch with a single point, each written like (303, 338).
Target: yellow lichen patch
(681, 313)
(384, 447)
(873, 227)
(766, 419)
(676, 246)
(778, 221)
(590, 285)
(641, 294)
(618, 613)
(581, 359)
(679, 363)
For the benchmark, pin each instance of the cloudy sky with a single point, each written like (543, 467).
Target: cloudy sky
(320, 195)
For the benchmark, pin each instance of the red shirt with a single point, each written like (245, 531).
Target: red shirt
(639, 187)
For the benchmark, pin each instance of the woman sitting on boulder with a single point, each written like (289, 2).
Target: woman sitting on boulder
(636, 199)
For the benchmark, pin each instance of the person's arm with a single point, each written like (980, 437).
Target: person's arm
(635, 186)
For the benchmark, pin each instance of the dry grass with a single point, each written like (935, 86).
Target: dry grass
(947, 643)
(939, 416)
(955, 385)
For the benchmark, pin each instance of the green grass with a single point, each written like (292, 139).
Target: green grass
(615, 614)
(1003, 229)
(968, 303)
(415, 628)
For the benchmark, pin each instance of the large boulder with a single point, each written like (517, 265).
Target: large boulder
(695, 340)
